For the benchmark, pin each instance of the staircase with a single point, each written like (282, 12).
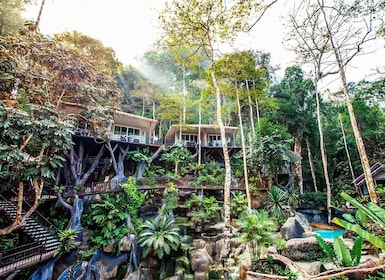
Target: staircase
(41, 248)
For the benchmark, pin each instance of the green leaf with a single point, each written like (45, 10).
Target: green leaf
(357, 251)
(342, 252)
(373, 239)
(325, 247)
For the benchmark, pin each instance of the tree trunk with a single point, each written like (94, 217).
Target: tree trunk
(348, 154)
(226, 203)
(118, 164)
(245, 173)
(143, 164)
(77, 166)
(311, 165)
(360, 144)
(20, 218)
(324, 157)
(298, 164)
(251, 113)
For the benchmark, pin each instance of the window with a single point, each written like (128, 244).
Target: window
(215, 140)
(189, 138)
(126, 131)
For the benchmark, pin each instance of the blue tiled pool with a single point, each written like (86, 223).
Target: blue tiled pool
(329, 233)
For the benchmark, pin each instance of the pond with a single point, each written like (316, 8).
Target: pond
(329, 233)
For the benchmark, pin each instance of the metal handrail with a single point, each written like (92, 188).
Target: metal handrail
(30, 250)
(47, 223)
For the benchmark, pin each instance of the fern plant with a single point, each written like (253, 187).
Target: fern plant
(160, 235)
(340, 254)
(68, 241)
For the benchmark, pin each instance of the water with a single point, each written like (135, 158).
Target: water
(330, 233)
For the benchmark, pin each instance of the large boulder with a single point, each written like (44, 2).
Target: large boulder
(303, 249)
(200, 259)
(292, 229)
(303, 221)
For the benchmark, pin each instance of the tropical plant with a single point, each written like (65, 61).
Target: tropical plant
(178, 155)
(68, 241)
(204, 209)
(276, 201)
(238, 203)
(362, 223)
(134, 200)
(109, 216)
(170, 199)
(159, 235)
(257, 230)
(340, 254)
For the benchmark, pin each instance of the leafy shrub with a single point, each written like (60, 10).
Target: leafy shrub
(159, 235)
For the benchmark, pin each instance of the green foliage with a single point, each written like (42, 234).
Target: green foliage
(268, 153)
(195, 201)
(33, 142)
(313, 199)
(204, 209)
(159, 235)
(238, 203)
(366, 220)
(257, 230)
(68, 241)
(10, 16)
(276, 202)
(340, 254)
(110, 215)
(179, 155)
(134, 200)
(171, 199)
(210, 174)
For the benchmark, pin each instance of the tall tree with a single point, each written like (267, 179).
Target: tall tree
(333, 33)
(234, 68)
(34, 140)
(345, 43)
(201, 25)
(294, 95)
(37, 74)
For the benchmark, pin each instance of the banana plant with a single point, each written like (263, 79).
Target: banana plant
(358, 224)
(340, 254)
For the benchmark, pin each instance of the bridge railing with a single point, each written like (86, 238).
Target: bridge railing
(20, 253)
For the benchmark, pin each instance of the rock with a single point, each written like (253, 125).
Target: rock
(126, 243)
(239, 250)
(315, 268)
(303, 249)
(308, 234)
(198, 275)
(303, 221)
(292, 229)
(272, 250)
(244, 264)
(200, 260)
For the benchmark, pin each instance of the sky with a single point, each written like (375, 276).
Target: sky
(131, 28)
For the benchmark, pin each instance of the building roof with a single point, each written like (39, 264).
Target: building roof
(375, 169)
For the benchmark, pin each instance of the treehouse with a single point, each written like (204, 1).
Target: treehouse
(132, 128)
(122, 126)
(208, 136)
